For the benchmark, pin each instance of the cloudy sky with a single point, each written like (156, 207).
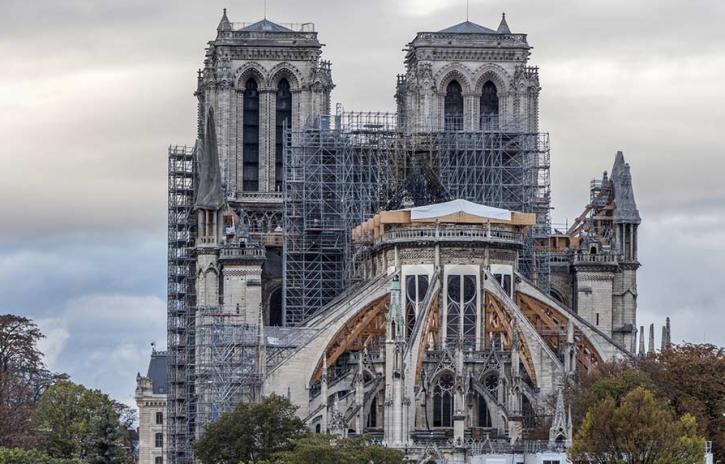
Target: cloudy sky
(92, 92)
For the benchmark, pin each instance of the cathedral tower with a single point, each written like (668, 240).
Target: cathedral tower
(258, 78)
(469, 77)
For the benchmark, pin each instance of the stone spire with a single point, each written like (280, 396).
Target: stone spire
(666, 335)
(559, 427)
(503, 27)
(209, 194)
(651, 347)
(224, 24)
(669, 332)
(625, 210)
(641, 341)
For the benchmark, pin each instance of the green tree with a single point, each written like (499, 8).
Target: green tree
(328, 449)
(615, 380)
(21, 456)
(23, 377)
(250, 433)
(692, 378)
(75, 422)
(637, 430)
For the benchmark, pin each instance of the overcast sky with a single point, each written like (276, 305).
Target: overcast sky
(92, 93)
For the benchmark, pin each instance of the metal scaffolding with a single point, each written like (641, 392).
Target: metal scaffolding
(180, 302)
(342, 169)
(226, 363)
(334, 179)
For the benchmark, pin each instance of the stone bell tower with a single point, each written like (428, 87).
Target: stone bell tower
(469, 77)
(259, 77)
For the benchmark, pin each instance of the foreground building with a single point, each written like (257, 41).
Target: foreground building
(393, 275)
(151, 391)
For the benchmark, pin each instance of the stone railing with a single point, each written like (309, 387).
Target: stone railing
(241, 253)
(605, 258)
(206, 241)
(258, 197)
(482, 234)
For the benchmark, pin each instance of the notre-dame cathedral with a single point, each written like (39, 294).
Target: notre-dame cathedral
(395, 275)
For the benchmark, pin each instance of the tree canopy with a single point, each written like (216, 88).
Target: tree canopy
(22, 456)
(328, 449)
(637, 430)
(73, 422)
(23, 378)
(251, 433)
(688, 379)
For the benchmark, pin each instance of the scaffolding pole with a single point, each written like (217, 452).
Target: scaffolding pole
(180, 303)
(342, 169)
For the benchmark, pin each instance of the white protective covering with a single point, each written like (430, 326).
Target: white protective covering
(421, 213)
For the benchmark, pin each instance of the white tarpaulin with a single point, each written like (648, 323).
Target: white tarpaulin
(458, 206)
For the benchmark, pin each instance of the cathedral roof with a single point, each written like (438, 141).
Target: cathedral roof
(468, 27)
(266, 25)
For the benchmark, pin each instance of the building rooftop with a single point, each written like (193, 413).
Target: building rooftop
(467, 27)
(157, 372)
(266, 25)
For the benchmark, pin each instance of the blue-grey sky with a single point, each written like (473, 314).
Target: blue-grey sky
(93, 91)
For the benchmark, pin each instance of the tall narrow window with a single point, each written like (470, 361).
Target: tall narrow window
(484, 416)
(250, 150)
(453, 106)
(489, 106)
(283, 117)
(469, 311)
(461, 309)
(373, 416)
(159, 440)
(275, 308)
(443, 401)
(453, 308)
(415, 289)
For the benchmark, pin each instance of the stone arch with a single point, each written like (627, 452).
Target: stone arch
(454, 71)
(495, 74)
(285, 70)
(275, 311)
(251, 69)
(442, 398)
(211, 286)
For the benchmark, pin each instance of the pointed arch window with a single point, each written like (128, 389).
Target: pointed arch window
(275, 308)
(443, 401)
(461, 309)
(250, 148)
(372, 421)
(283, 118)
(453, 106)
(484, 415)
(416, 287)
(489, 106)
